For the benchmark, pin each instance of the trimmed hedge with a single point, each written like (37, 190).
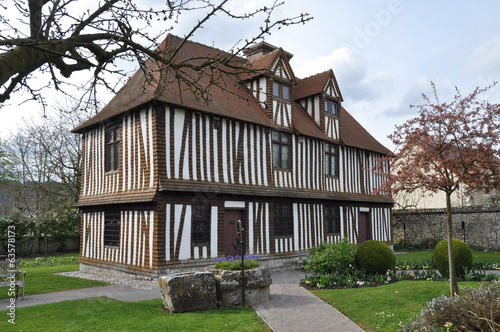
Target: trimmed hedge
(462, 257)
(374, 257)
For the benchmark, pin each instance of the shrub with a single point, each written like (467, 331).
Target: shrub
(331, 258)
(234, 263)
(423, 245)
(462, 257)
(374, 257)
(23, 231)
(475, 310)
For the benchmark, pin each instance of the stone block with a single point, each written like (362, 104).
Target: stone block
(184, 292)
(257, 285)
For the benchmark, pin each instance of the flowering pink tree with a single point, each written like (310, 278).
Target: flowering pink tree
(447, 145)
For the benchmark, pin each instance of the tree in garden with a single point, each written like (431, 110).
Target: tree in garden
(7, 164)
(447, 145)
(62, 37)
(48, 170)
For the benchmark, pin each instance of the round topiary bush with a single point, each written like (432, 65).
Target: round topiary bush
(462, 257)
(374, 257)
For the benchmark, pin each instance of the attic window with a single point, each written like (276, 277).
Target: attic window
(331, 107)
(281, 91)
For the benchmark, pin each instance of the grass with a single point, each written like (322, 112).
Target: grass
(102, 314)
(40, 277)
(421, 255)
(384, 307)
(486, 257)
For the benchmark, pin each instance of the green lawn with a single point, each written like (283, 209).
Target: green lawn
(102, 314)
(384, 307)
(376, 308)
(421, 255)
(40, 277)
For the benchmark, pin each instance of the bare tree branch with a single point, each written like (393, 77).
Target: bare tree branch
(73, 39)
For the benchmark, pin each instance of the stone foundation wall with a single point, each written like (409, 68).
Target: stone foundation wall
(481, 225)
(272, 262)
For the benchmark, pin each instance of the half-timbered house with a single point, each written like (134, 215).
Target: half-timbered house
(166, 176)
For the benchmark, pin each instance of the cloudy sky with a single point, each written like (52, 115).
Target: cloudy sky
(384, 53)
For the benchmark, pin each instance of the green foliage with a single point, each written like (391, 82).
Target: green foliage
(374, 257)
(474, 310)
(415, 265)
(331, 258)
(333, 266)
(424, 244)
(23, 234)
(234, 263)
(65, 225)
(462, 257)
(350, 278)
(49, 261)
(57, 228)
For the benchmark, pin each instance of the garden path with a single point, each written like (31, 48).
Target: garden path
(290, 308)
(293, 308)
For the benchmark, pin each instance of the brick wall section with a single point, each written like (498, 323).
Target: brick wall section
(482, 225)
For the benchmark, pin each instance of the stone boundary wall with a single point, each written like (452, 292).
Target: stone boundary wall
(481, 225)
(25, 244)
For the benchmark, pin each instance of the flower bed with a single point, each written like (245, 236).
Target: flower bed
(234, 262)
(333, 266)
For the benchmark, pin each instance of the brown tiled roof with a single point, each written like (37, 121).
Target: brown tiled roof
(234, 101)
(266, 61)
(312, 85)
(305, 125)
(353, 134)
(262, 65)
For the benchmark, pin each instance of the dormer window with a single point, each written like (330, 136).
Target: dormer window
(331, 107)
(281, 91)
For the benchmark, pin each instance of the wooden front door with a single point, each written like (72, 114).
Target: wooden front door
(364, 227)
(230, 231)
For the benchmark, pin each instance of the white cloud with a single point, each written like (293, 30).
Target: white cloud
(355, 81)
(485, 60)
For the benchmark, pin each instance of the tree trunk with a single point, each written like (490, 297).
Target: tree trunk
(36, 240)
(45, 244)
(29, 58)
(453, 277)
